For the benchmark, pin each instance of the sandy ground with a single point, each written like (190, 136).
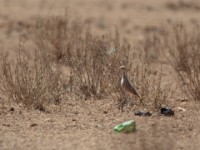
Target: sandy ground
(87, 125)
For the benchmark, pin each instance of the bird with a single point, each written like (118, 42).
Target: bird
(126, 85)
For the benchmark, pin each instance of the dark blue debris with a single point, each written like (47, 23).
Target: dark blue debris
(167, 111)
(146, 114)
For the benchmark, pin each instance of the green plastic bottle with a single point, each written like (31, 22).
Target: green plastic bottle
(126, 127)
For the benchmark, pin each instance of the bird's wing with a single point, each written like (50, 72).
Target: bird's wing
(131, 88)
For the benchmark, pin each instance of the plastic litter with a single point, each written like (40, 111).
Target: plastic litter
(126, 127)
(167, 111)
(146, 114)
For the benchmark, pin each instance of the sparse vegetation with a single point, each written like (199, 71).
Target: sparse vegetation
(183, 5)
(94, 66)
(68, 68)
(148, 81)
(30, 83)
(92, 59)
(183, 47)
(94, 62)
(179, 44)
(58, 35)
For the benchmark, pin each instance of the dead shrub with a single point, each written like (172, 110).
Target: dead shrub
(31, 83)
(152, 43)
(183, 44)
(148, 81)
(183, 5)
(58, 34)
(95, 64)
(91, 58)
(179, 43)
(94, 61)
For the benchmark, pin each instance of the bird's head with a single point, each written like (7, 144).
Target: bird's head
(123, 68)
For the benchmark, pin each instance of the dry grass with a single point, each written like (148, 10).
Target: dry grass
(184, 56)
(83, 56)
(148, 81)
(183, 5)
(30, 83)
(58, 34)
(179, 43)
(154, 93)
(93, 63)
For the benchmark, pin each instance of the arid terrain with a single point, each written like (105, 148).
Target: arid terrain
(87, 123)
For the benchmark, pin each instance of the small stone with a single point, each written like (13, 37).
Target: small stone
(12, 109)
(76, 112)
(73, 119)
(33, 125)
(181, 109)
(6, 125)
(184, 100)
(48, 120)
(98, 126)
(105, 112)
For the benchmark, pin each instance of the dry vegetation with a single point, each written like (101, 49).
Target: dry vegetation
(179, 44)
(77, 70)
(185, 54)
(183, 5)
(94, 67)
(92, 59)
(29, 83)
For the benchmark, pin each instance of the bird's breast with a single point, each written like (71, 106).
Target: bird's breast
(122, 81)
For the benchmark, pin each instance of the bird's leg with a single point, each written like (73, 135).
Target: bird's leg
(132, 100)
(141, 101)
(129, 100)
(126, 99)
(123, 100)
